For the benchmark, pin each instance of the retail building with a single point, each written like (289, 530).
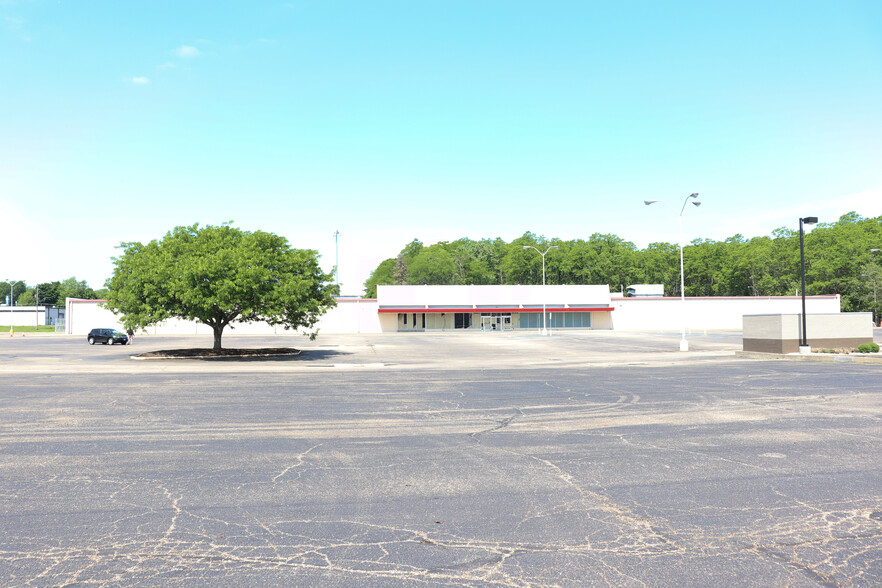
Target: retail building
(498, 309)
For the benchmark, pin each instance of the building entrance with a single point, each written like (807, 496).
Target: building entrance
(496, 322)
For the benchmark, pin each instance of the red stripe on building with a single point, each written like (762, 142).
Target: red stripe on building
(480, 310)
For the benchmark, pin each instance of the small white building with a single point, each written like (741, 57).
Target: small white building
(641, 290)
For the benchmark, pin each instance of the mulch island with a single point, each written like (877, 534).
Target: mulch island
(218, 353)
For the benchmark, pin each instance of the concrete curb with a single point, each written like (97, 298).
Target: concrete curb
(863, 358)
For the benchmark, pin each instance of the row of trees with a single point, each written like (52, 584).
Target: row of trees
(50, 293)
(838, 261)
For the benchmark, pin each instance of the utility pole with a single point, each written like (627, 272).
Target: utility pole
(337, 259)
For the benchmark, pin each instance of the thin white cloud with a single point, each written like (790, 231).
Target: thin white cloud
(867, 203)
(186, 51)
(16, 25)
(167, 65)
(140, 80)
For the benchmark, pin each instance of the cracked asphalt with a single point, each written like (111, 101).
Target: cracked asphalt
(438, 460)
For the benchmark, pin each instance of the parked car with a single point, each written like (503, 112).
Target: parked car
(106, 336)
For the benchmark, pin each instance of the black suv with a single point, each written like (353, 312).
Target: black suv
(107, 336)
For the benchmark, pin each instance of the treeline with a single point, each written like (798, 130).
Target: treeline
(49, 293)
(838, 261)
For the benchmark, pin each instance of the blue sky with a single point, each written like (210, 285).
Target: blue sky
(390, 121)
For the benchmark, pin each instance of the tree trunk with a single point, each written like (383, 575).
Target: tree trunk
(218, 331)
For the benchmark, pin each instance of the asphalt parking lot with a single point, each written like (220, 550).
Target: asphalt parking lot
(451, 459)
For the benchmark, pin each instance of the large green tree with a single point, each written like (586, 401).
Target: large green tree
(216, 275)
(73, 288)
(432, 265)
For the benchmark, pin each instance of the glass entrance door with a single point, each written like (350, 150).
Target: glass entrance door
(496, 322)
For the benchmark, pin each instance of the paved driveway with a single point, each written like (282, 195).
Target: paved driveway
(416, 460)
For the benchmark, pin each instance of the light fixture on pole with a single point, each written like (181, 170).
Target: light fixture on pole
(550, 247)
(809, 220)
(12, 283)
(684, 345)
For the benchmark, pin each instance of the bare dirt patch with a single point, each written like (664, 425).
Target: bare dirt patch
(219, 353)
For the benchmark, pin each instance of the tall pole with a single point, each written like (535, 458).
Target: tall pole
(336, 259)
(875, 302)
(804, 341)
(12, 284)
(550, 247)
(544, 311)
(684, 344)
(809, 220)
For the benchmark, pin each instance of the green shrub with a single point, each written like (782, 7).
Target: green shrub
(868, 348)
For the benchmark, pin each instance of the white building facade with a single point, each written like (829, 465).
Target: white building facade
(494, 309)
(26, 316)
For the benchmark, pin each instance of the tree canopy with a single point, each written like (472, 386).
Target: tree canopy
(216, 275)
(838, 261)
(54, 293)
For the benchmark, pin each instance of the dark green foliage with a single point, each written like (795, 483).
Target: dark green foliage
(53, 293)
(838, 261)
(868, 348)
(217, 275)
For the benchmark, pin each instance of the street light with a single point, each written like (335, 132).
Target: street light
(684, 345)
(809, 220)
(12, 283)
(550, 247)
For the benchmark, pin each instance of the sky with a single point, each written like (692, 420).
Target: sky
(390, 121)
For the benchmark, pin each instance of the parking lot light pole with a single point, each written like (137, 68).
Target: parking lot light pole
(550, 247)
(874, 288)
(875, 302)
(12, 284)
(337, 260)
(684, 344)
(809, 220)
